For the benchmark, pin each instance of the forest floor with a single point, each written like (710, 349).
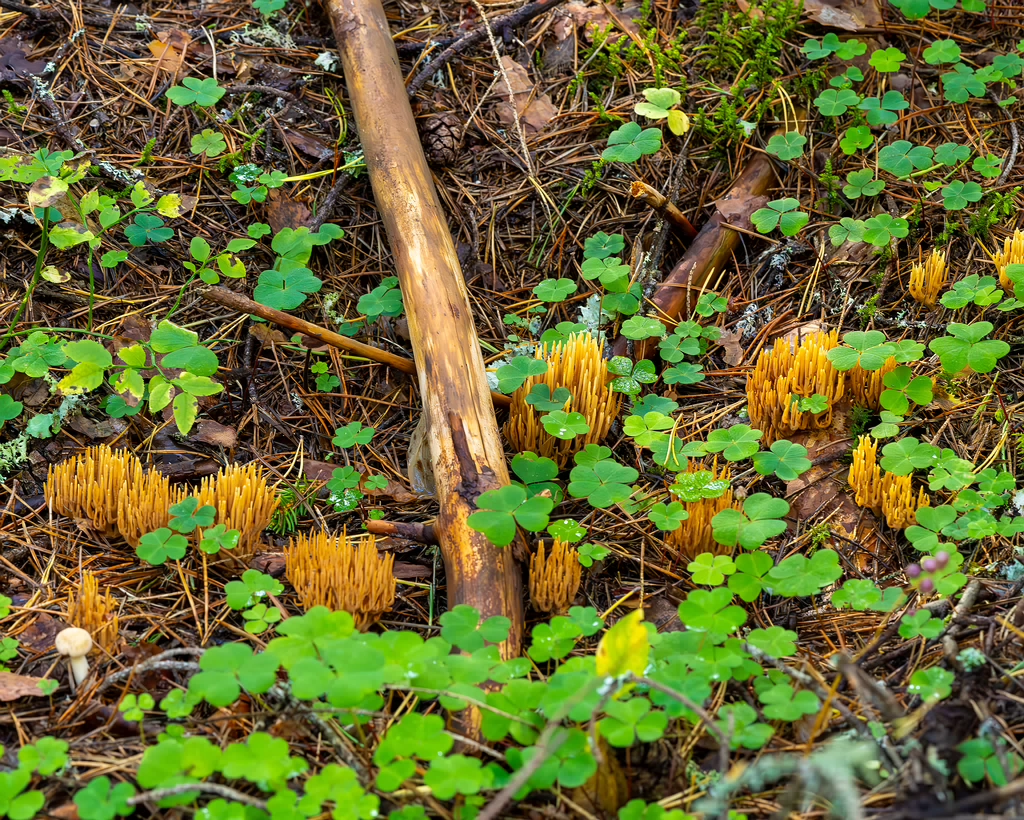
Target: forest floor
(926, 106)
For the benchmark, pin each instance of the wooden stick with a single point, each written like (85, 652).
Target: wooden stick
(421, 533)
(236, 301)
(467, 452)
(713, 245)
(660, 203)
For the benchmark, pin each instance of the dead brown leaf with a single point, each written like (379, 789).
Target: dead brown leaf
(285, 212)
(396, 491)
(596, 17)
(97, 429)
(69, 811)
(847, 15)
(732, 345)
(214, 434)
(307, 144)
(169, 48)
(535, 109)
(41, 633)
(14, 686)
(267, 335)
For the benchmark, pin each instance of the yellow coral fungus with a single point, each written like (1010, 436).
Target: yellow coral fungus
(694, 536)
(331, 571)
(928, 280)
(577, 364)
(884, 494)
(554, 577)
(865, 474)
(244, 501)
(899, 506)
(87, 486)
(783, 376)
(143, 503)
(867, 386)
(1011, 254)
(95, 613)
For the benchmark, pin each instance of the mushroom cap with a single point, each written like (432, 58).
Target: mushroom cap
(73, 642)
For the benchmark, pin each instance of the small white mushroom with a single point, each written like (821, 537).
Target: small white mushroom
(75, 643)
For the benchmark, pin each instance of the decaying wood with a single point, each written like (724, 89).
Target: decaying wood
(466, 450)
(236, 301)
(661, 203)
(715, 242)
(420, 533)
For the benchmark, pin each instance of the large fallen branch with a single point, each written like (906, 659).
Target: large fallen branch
(467, 454)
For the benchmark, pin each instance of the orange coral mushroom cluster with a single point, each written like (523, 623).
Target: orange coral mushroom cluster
(928, 280)
(95, 613)
(577, 364)
(143, 503)
(694, 536)
(331, 571)
(786, 374)
(244, 501)
(554, 577)
(867, 386)
(1011, 254)
(885, 494)
(86, 487)
(112, 490)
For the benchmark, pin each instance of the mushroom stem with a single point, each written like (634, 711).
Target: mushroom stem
(79, 668)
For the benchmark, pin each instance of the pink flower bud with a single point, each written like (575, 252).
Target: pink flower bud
(929, 565)
(927, 586)
(942, 558)
(913, 571)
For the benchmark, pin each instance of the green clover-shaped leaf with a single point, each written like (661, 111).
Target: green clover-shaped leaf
(786, 146)
(855, 139)
(862, 183)
(966, 347)
(734, 443)
(629, 142)
(788, 461)
(942, 51)
(958, 195)
(932, 684)
(759, 521)
(156, 547)
(192, 90)
(208, 142)
(710, 570)
(887, 60)
(499, 511)
(555, 290)
(782, 214)
(512, 375)
(565, 426)
(186, 515)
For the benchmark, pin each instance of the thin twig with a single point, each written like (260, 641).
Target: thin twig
(510, 20)
(206, 788)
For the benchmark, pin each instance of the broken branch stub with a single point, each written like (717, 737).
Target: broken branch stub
(467, 454)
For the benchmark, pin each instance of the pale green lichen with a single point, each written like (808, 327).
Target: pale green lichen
(264, 35)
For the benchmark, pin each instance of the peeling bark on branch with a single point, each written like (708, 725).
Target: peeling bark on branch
(466, 450)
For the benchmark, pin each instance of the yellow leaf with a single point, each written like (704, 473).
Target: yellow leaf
(52, 274)
(45, 191)
(678, 122)
(624, 648)
(169, 205)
